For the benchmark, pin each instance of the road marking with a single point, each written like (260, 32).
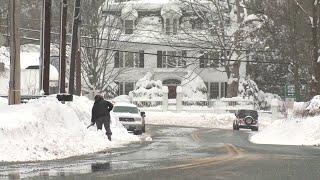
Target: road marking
(195, 135)
(233, 153)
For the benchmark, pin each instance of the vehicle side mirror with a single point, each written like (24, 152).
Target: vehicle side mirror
(143, 114)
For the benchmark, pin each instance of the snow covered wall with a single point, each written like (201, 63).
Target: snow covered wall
(45, 129)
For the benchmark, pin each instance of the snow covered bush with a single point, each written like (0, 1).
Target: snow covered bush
(249, 89)
(147, 88)
(314, 106)
(310, 108)
(193, 87)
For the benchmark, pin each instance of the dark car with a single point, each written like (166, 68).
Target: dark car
(247, 119)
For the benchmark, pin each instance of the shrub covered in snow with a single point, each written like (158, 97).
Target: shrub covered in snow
(314, 106)
(193, 87)
(147, 88)
(249, 89)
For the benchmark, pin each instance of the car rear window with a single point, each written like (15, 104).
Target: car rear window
(244, 113)
(125, 109)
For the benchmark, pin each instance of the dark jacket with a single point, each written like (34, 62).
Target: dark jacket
(101, 108)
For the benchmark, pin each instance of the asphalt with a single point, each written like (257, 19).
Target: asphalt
(181, 153)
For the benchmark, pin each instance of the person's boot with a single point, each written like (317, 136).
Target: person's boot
(109, 137)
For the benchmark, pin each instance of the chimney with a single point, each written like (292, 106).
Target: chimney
(1, 67)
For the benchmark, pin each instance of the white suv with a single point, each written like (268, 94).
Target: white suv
(130, 117)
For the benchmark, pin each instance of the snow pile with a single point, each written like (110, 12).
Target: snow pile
(147, 89)
(205, 120)
(45, 129)
(3, 101)
(296, 131)
(193, 87)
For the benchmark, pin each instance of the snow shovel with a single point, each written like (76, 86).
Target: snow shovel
(90, 126)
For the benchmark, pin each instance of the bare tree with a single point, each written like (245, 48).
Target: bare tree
(100, 35)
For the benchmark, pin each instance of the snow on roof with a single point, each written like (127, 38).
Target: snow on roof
(122, 98)
(129, 13)
(171, 9)
(124, 104)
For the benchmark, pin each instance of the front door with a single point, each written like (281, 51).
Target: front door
(172, 92)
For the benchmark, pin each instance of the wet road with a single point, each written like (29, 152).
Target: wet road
(181, 153)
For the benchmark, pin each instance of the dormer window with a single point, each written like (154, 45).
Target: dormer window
(171, 26)
(129, 16)
(171, 14)
(128, 26)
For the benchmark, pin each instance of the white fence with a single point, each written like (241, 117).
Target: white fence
(218, 106)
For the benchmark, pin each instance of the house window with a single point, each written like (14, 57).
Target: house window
(223, 89)
(171, 26)
(171, 59)
(216, 89)
(209, 60)
(125, 87)
(128, 26)
(129, 59)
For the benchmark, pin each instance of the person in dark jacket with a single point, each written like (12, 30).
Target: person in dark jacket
(101, 114)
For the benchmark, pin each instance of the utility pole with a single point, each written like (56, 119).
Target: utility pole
(63, 32)
(76, 21)
(46, 46)
(78, 67)
(41, 46)
(14, 84)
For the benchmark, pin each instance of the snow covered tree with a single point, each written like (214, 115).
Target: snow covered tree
(224, 35)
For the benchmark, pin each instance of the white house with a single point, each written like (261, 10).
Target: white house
(153, 41)
(29, 75)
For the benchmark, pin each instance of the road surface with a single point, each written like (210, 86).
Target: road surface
(181, 153)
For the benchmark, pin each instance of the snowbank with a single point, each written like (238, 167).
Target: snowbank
(45, 129)
(296, 131)
(204, 120)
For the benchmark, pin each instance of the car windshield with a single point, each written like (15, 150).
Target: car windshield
(244, 113)
(125, 109)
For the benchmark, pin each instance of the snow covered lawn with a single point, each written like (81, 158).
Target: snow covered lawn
(296, 131)
(45, 129)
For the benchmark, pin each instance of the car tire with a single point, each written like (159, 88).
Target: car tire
(137, 132)
(144, 128)
(254, 128)
(235, 126)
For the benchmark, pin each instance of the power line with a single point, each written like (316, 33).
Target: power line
(156, 44)
(155, 54)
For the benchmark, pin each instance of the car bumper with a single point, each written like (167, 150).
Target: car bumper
(133, 127)
(248, 126)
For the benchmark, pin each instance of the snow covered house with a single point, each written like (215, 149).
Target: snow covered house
(153, 40)
(29, 74)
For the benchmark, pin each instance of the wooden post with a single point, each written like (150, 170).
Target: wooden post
(74, 45)
(78, 67)
(46, 46)
(14, 84)
(63, 32)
